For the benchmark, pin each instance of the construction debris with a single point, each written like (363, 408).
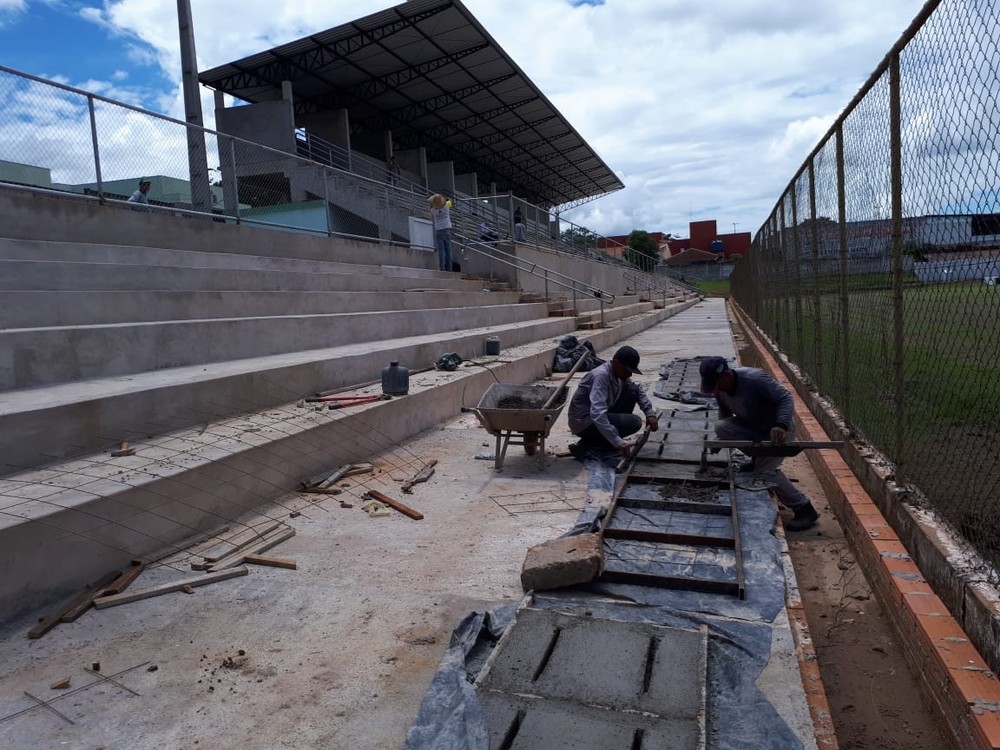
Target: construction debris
(273, 562)
(423, 475)
(565, 561)
(123, 450)
(166, 588)
(76, 608)
(226, 547)
(238, 557)
(60, 684)
(406, 510)
(375, 509)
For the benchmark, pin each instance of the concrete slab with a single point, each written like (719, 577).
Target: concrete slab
(338, 653)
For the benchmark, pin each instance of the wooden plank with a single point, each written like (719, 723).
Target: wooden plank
(81, 603)
(680, 506)
(425, 473)
(122, 582)
(663, 537)
(273, 562)
(682, 583)
(237, 541)
(237, 558)
(406, 510)
(167, 588)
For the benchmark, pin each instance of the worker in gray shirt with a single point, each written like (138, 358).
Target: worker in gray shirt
(754, 406)
(600, 413)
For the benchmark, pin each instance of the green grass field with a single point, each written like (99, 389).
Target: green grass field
(950, 399)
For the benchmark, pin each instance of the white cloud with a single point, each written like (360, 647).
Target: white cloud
(10, 9)
(705, 110)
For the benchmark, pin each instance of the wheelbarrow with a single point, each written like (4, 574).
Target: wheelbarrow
(519, 415)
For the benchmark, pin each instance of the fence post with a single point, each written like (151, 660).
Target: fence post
(817, 315)
(899, 358)
(800, 344)
(326, 201)
(845, 309)
(97, 153)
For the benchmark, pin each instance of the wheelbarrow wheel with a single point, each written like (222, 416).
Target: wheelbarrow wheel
(530, 443)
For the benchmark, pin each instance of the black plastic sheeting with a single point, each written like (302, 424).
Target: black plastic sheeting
(739, 716)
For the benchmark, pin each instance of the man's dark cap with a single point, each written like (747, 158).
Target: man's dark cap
(710, 369)
(628, 357)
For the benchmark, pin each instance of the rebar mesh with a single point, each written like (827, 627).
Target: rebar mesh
(877, 272)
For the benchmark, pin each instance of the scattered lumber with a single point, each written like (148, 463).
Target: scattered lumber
(123, 581)
(234, 543)
(406, 510)
(75, 608)
(273, 562)
(167, 588)
(423, 475)
(238, 557)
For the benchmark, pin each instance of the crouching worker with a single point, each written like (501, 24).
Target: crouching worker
(600, 413)
(754, 406)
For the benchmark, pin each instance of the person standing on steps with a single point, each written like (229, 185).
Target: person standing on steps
(754, 406)
(600, 412)
(441, 217)
(520, 231)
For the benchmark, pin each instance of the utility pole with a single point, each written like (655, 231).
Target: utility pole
(201, 193)
(734, 227)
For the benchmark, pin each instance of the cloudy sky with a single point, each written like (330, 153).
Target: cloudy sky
(703, 109)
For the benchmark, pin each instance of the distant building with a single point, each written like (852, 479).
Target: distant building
(705, 237)
(615, 245)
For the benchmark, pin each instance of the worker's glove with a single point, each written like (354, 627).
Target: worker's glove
(777, 436)
(625, 449)
(652, 423)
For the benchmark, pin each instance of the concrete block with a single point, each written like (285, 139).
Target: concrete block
(562, 562)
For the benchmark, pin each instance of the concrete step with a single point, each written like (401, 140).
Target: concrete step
(37, 309)
(70, 521)
(81, 252)
(72, 276)
(592, 320)
(40, 423)
(32, 357)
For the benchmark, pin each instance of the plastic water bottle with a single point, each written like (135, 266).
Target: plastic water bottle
(395, 380)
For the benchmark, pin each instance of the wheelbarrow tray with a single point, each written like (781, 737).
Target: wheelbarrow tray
(518, 408)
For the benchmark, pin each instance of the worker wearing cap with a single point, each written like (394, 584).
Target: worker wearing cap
(754, 406)
(600, 412)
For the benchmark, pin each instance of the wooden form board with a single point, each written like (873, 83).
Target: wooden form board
(406, 510)
(167, 588)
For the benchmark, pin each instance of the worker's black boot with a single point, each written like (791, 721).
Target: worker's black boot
(805, 517)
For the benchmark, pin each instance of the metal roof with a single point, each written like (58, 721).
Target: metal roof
(430, 73)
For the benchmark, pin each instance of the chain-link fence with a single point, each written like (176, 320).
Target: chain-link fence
(877, 270)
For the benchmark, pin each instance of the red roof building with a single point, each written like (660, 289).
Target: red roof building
(705, 236)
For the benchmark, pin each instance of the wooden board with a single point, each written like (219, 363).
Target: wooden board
(122, 582)
(75, 608)
(167, 588)
(273, 562)
(406, 510)
(237, 541)
(237, 558)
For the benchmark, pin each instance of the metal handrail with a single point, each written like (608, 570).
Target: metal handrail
(547, 274)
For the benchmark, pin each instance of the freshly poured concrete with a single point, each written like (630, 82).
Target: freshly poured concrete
(338, 653)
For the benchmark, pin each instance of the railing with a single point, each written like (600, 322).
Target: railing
(63, 139)
(575, 286)
(873, 272)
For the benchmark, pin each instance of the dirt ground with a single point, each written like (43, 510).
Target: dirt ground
(874, 698)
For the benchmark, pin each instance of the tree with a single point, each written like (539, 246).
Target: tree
(580, 238)
(642, 251)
